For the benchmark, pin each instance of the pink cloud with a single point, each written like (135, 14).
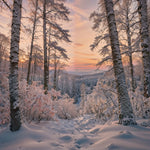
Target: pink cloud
(78, 44)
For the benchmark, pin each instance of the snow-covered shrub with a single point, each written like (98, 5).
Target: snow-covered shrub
(55, 94)
(34, 104)
(65, 109)
(140, 104)
(102, 102)
(4, 99)
(4, 108)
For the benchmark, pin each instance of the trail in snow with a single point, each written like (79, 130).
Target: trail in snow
(82, 133)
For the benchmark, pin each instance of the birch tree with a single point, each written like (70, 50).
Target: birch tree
(15, 120)
(55, 70)
(53, 12)
(145, 44)
(32, 40)
(46, 70)
(127, 22)
(58, 54)
(128, 25)
(37, 60)
(56, 11)
(126, 116)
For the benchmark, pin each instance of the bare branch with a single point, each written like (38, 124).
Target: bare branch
(7, 5)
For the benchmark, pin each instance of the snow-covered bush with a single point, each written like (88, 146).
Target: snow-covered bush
(34, 104)
(140, 104)
(4, 99)
(55, 94)
(4, 108)
(65, 109)
(102, 102)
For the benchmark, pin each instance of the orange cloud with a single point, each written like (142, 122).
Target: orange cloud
(84, 67)
(78, 44)
(84, 53)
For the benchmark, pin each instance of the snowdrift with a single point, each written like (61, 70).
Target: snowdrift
(82, 133)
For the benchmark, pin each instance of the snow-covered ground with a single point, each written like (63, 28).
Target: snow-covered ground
(82, 133)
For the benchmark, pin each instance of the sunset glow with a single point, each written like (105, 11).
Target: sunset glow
(82, 58)
(82, 35)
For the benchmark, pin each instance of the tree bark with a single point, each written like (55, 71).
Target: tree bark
(126, 116)
(33, 35)
(15, 119)
(142, 10)
(46, 72)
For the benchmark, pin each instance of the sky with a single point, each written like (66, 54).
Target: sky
(81, 57)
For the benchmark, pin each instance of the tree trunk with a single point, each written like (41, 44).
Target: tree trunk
(142, 9)
(15, 120)
(49, 41)
(126, 116)
(46, 72)
(1, 54)
(33, 35)
(55, 71)
(133, 82)
(35, 65)
(49, 50)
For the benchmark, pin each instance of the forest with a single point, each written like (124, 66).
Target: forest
(56, 93)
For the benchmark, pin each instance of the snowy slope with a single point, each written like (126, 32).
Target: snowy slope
(82, 133)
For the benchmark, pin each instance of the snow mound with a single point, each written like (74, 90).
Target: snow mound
(117, 137)
(125, 135)
(112, 147)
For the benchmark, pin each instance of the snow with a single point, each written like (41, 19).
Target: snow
(81, 133)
